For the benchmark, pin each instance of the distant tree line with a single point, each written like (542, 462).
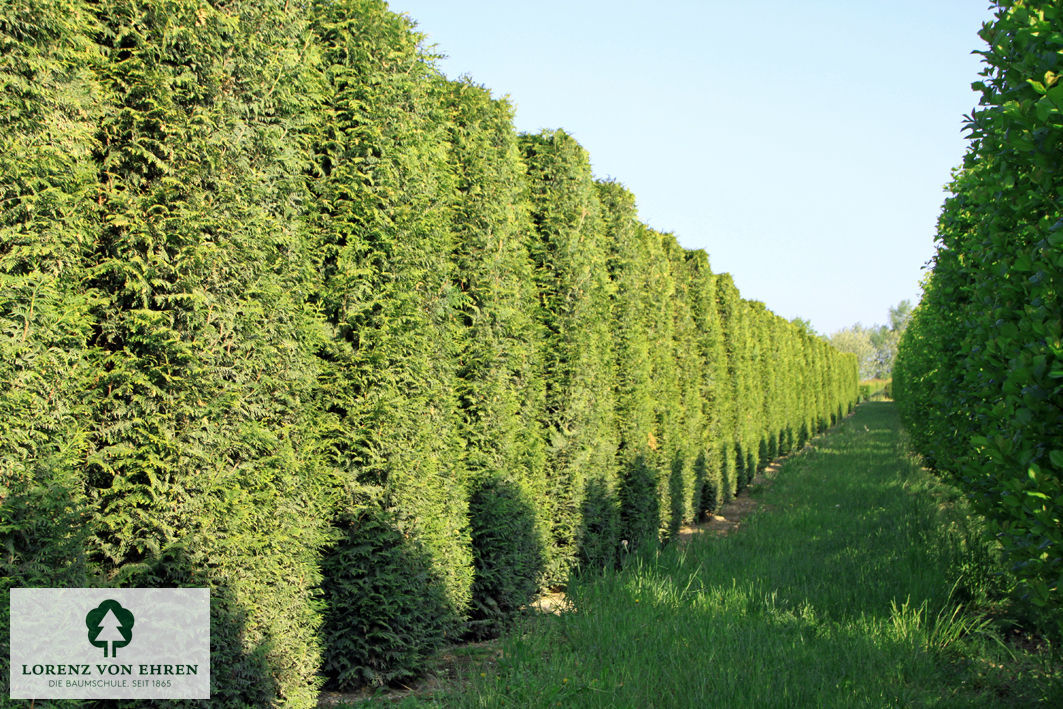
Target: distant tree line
(875, 347)
(287, 314)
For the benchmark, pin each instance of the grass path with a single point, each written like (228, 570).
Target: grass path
(858, 581)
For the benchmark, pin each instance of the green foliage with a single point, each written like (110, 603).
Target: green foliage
(389, 383)
(507, 555)
(875, 347)
(200, 463)
(858, 340)
(570, 256)
(712, 398)
(980, 372)
(630, 258)
(287, 314)
(727, 303)
(874, 389)
(640, 506)
(501, 389)
(49, 107)
(386, 608)
(685, 444)
(665, 458)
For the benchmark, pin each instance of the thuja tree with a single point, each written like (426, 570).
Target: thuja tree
(634, 504)
(819, 358)
(779, 371)
(501, 392)
(199, 464)
(792, 383)
(765, 348)
(398, 579)
(570, 259)
(837, 406)
(775, 402)
(191, 462)
(682, 441)
(831, 374)
(668, 406)
(48, 112)
(732, 457)
(714, 390)
(983, 364)
(749, 392)
(819, 401)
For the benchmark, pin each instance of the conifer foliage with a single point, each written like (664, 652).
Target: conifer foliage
(569, 256)
(501, 388)
(203, 340)
(287, 314)
(389, 380)
(49, 107)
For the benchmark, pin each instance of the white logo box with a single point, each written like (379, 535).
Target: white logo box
(110, 643)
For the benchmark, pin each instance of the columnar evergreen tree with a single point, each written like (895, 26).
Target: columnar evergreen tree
(822, 383)
(750, 408)
(777, 410)
(200, 466)
(714, 388)
(636, 500)
(794, 375)
(398, 580)
(570, 256)
(666, 391)
(764, 349)
(49, 108)
(804, 400)
(686, 439)
(728, 303)
(500, 378)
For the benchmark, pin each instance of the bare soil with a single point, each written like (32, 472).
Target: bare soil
(729, 518)
(448, 667)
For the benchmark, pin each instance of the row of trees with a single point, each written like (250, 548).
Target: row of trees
(979, 376)
(875, 347)
(285, 313)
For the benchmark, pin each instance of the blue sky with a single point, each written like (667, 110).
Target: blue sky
(804, 145)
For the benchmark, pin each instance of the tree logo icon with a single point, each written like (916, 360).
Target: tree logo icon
(110, 623)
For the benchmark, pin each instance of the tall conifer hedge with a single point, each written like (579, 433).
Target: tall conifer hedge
(714, 399)
(500, 373)
(199, 467)
(627, 507)
(286, 313)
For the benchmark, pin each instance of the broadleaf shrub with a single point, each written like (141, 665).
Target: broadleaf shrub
(979, 375)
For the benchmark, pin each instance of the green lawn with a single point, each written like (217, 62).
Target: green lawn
(860, 581)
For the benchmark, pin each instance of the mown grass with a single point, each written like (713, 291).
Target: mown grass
(860, 581)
